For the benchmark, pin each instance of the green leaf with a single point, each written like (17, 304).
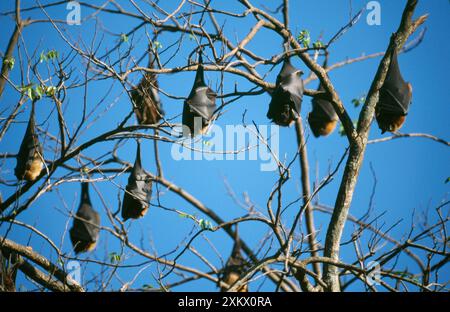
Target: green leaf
(52, 54)
(147, 286)
(191, 37)
(124, 38)
(318, 44)
(30, 93)
(304, 38)
(448, 180)
(183, 215)
(358, 101)
(9, 61)
(205, 224)
(114, 257)
(50, 90)
(158, 45)
(42, 57)
(39, 91)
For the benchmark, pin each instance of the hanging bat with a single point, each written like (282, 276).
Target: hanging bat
(85, 230)
(394, 99)
(146, 98)
(138, 191)
(287, 97)
(199, 107)
(29, 159)
(323, 118)
(9, 262)
(235, 267)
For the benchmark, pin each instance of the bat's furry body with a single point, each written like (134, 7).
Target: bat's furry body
(287, 97)
(85, 230)
(394, 99)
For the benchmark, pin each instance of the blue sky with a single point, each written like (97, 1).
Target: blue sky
(410, 173)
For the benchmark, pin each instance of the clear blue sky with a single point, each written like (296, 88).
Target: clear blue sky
(410, 173)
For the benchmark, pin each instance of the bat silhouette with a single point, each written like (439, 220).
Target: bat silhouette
(146, 98)
(29, 159)
(235, 266)
(138, 191)
(394, 99)
(287, 97)
(323, 118)
(200, 105)
(85, 230)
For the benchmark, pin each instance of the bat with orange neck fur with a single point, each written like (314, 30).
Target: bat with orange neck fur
(29, 159)
(394, 99)
(138, 191)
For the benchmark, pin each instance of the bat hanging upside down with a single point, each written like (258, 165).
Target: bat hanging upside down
(138, 191)
(323, 118)
(29, 159)
(235, 267)
(199, 107)
(85, 230)
(394, 99)
(146, 98)
(287, 97)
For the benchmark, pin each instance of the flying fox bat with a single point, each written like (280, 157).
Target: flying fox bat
(146, 98)
(85, 230)
(200, 105)
(29, 159)
(394, 99)
(138, 191)
(323, 118)
(287, 97)
(234, 267)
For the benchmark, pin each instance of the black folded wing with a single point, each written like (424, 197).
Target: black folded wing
(395, 95)
(29, 161)
(85, 230)
(287, 96)
(138, 191)
(394, 99)
(200, 106)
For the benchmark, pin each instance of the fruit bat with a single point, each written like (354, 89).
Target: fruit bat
(8, 270)
(287, 97)
(235, 266)
(394, 99)
(138, 191)
(146, 98)
(85, 230)
(29, 159)
(200, 105)
(323, 118)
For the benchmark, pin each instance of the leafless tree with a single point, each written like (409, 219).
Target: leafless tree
(291, 259)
